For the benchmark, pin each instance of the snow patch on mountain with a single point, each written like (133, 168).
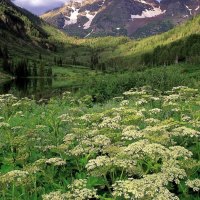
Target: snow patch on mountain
(149, 13)
(72, 19)
(142, 1)
(90, 19)
(189, 9)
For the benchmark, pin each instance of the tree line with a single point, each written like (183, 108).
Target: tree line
(184, 50)
(23, 68)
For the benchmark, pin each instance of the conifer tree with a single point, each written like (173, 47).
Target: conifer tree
(49, 72)
(1, 52)
(74, 58)
(34, 70)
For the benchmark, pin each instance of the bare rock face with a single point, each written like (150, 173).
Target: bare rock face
(133, 18)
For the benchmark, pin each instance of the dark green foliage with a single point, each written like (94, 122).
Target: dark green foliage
(34, 70)
(22, 69)
(6, 65)
(41, 70)
(60, 62)
(4, 52)
(40, 56)
(55, 60)
(94, 59)
(1, 52)
(5, 55)
(106, 86)
(179, 51)
(49, 72)
(74, 57)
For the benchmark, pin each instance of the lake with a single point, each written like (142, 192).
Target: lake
(36, 87)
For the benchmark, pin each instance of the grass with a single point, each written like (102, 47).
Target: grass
(72, 71)
(4, 76)
(106, 86)
(103, 86)
(70, 148)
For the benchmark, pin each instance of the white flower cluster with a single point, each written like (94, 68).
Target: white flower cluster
(172, 171)
(177, 152)
(7, 100)
(15, 176)
(54, 196)
(131, 133)
(185, 91)
(55, 161)
(134, 93)
(77, 144)
(152, 121)
(4, 125)
(155, 111)
(86, 117)
(101, 141)
(65, 118)
(103, 162)
(112, 123)
(185, 131)
(149, 187)
(141, 102)
(124, 103)
(194, 184)
(77, 191)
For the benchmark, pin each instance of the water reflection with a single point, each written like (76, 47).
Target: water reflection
(39, 87)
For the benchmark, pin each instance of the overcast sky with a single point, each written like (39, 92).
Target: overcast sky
(39, 6)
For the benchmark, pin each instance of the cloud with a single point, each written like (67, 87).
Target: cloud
(39, 6)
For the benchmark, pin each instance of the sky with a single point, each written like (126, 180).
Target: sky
(39, 6)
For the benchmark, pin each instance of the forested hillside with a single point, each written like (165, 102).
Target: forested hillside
(133, 53)
(26, 36)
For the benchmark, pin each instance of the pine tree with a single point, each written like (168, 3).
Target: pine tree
(49, 72)
(22, 69)
(34, 70)
(60, 62)
(6, 65)
(5, 52)
(42, 71)
(55, 60)
(40, 56)
(1, 52)
(94, 59)
(74, 57)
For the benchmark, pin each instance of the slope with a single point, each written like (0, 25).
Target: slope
(31, 37)
(133, 18)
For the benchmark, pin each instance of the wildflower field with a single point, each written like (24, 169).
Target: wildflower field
(143, 145)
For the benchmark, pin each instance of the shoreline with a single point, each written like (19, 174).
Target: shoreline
(4, 77)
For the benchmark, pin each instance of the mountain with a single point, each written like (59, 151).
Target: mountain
(25, 34)
(19, 21)
(133, 18)
(28, 36)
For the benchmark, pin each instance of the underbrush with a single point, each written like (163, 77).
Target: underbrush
(106, 86)
(142, 145)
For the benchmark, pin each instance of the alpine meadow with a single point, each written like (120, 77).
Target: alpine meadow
(100, 100)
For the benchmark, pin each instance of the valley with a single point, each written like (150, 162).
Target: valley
(94, 107)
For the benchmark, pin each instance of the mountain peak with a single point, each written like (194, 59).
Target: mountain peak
(134, 18)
